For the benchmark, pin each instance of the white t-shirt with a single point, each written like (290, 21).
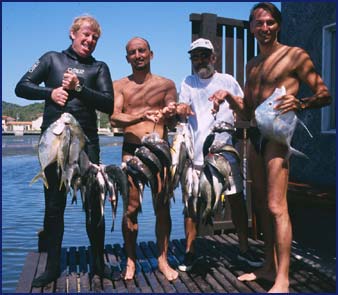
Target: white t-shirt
(195, 92)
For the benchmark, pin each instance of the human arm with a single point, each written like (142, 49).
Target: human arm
(101, 97)
(305, 72)
(233, 94)
(119, 118)
(29, 86)
(170, 101)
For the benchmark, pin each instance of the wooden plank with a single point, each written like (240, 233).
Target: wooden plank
(120, 285)
(222, 20)
(28, 272)
(240, 56)
(156, 283)
(233, 264)
(195, 273)
(231, 283)
(83, 270)
(229, 50)
(250, 41)
(190, 284)
(211, 267)
(72, 276)
(61, 282)
(114, 263)
(216, 270)
(173, 262)
(142, 277)
(303, 278)
(40, 269)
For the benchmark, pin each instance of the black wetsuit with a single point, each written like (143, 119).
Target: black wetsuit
(96, 94)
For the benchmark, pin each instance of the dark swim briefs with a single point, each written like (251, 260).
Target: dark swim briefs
(257, 140)
(130, 147)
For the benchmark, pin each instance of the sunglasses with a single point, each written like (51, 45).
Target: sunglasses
(203, 55)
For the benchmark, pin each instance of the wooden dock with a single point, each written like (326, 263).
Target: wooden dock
(215, 272)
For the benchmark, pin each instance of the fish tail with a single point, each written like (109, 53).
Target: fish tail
(303, 124)
(40, 175)
(295, 152)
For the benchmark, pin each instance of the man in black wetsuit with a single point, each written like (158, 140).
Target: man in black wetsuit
(78, 84)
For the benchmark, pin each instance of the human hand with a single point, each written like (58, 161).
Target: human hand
(70, 80)
(153, 116)
(184, 110)
(59, 96)
(218, 98)
(287, 103)
(169, 110)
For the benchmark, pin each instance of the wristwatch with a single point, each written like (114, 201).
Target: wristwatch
(78, 87)
(302, 104)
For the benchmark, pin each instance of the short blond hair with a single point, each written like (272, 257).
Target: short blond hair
(79, 20)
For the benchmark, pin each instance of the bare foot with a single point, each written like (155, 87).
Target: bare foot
(261, 273)
(129, 272)
(280, 288)
(167, 271)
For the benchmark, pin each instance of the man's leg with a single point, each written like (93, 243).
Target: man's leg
(130, 230)
(163, 229)
(259, 196)
(277, 179)
(190, 228)
(239, 217)
(55, 204)
(190, 234)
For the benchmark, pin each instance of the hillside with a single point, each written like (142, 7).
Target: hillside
(33, 111)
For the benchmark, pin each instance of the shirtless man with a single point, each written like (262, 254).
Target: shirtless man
(275, 66)
(144, 103)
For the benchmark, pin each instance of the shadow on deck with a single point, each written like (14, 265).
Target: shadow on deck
(215, 272)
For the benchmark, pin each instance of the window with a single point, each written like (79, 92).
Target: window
(329, 77)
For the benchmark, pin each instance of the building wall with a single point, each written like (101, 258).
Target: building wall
(302, 26)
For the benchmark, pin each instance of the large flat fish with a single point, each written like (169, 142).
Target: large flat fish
(276, 126)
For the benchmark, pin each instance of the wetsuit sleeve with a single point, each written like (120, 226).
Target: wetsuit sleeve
(101, 98)
(29, 85)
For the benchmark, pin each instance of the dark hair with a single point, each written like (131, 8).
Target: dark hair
(276, 14)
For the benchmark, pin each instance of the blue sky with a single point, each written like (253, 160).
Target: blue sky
(29, 29)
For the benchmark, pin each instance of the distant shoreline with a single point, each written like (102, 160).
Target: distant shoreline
(12, 133)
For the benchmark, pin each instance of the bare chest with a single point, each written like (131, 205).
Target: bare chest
(266, 75)
(143, 96)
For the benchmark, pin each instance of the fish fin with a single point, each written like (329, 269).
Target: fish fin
(295, 152)
(37, 176)
(303, 124)
(58, 129)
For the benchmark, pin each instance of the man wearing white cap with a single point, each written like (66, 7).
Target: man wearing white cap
(195, 97)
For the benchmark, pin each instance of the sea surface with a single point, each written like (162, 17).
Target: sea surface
(23, 207)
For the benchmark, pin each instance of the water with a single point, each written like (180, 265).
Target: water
(23, 207)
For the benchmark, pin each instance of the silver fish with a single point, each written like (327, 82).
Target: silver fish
(220, 146)
(276, 126)
(161, 149)
(48, 148)
(153, 163)
(223, 126)
(119, 177)
(206, 196)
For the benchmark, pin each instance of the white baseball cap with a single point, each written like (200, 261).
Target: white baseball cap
(201, 43)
